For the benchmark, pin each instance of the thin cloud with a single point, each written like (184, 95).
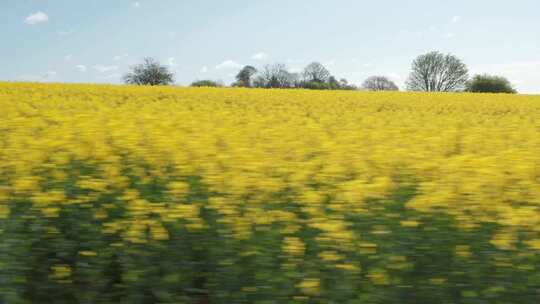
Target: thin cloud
(38, 77)
(228, 64)
(292, 61)
(120, 57)
(65, 33)
(449, 35)
(37, 17)
(204, 69)
(81, 68)
(260, 56)
(295, 70)
(330, 63)
(456, 19)
(68, 57)
(136, 4)
(49, 74)
(30, 77)
(397, 78)
(172, 62)
(113, 76)
(104, 68)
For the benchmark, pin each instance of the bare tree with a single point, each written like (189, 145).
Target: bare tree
(274, 76)
(243, 78)
(379, 83)
(316, 72)
(150, 72)
(436, 72)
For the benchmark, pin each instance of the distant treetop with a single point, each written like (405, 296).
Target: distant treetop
(150, 72)
(490, 84)
(379, 83)
(206, 83)
(436, 72)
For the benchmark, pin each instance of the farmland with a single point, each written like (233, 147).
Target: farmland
(120, 194)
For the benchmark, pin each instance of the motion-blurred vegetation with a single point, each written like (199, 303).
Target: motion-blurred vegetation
(163, 195)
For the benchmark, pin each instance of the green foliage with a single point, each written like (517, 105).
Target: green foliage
(206, 83)
(243, 78)
(490, 84)
(398, 263)
(332, 84)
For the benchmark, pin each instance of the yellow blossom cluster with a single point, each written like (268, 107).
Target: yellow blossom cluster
(301, 162)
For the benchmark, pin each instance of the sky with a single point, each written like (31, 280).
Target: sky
(97, 41)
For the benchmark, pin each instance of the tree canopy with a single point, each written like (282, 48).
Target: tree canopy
(436, 72)
(150, 72)
(490, 84)
(379, 83)
(206, 83)
(243, 78)
(316, 72)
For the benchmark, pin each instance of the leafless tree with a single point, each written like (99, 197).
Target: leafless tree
(436, 72)
(316, 72)
(150, 72)
(274, 76)
(379, 83)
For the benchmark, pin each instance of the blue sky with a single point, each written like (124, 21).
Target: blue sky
(97, 41)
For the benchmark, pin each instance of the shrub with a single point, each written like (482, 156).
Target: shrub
(206, 83)
(490, 84)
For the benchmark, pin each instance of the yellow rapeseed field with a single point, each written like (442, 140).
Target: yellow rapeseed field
(313, 178)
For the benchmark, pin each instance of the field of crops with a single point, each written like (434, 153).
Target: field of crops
(116, 194)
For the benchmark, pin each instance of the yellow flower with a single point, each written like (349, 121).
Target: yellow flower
(310, 286)
(379, 277)
(294, 246)
(61, 272)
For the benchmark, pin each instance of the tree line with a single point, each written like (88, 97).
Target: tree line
(430, 72)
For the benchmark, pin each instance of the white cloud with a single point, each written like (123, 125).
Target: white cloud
(136, 4)
(81, 68)
(329, 63)
(456, 19)
(104, 68)
(295, 70)
(68, 57)
(260, 56)
(228, 64)
(204, 69)
(36, 18)
(172, 62)
(120, 57)
(394, 76)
